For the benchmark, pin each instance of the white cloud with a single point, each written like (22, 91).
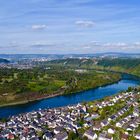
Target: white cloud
(119, 44)
(137, 43)
(87, 47)
(86, 23)
(39, 27)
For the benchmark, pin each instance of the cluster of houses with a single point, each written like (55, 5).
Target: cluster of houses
(16, 66)
(57, 123)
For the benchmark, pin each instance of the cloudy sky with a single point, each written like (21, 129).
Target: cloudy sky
(69, 26)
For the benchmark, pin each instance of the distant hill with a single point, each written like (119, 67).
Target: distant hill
(64, 56)
(105, 62)
(2, 60)
(119, 62)
(129, 65)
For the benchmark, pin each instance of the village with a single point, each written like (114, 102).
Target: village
(114, 117)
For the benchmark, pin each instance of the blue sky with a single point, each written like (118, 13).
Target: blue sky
(69, 26)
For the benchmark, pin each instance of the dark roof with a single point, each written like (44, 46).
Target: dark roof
(113, 117)
(105, 135)
(48, 134)
(105, 122)
(59, 129)
(61, 136)
(90, 132)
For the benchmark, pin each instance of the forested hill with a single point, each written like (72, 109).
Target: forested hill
(72, 61)
(129, 65)
(106, 62)
(125, 63)
(4, 60)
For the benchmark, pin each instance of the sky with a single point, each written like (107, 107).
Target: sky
(69, 26)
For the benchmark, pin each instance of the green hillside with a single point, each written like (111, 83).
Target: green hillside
(128, 65)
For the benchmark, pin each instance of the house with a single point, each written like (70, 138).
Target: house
(130, 128)
(137, 136)
(58, 130)
(2, 124)
(84, 109)
(120, 113)
(10, 136)
(124, 137)
(136, 112)
(47, 136)
(93, 116)
(90, 134)
(112, 118)
(104, 123)
(127, 119)
(97, 126)
(76, 125)
(138, 121)
(99, 105)
(105, 136)
(134, 124)
(119, 124)
(22, 137)
(69, 127)
(73, 118)
(61, 136)
(111, 131)
(5, 133)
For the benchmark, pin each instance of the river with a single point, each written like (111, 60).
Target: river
(70, 99)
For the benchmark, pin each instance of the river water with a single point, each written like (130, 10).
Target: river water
(75, 98)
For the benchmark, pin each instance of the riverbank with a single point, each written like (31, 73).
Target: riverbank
(28, 101)
(69, 99)
(54, 95)
(60, 93)
(19, 87)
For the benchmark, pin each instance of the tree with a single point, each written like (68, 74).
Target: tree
(116, 136)
(85, 138)
(129, 89)
(95, 108)
(72, 136)
(131, 138)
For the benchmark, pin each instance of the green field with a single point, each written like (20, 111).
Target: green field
(26, 85)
